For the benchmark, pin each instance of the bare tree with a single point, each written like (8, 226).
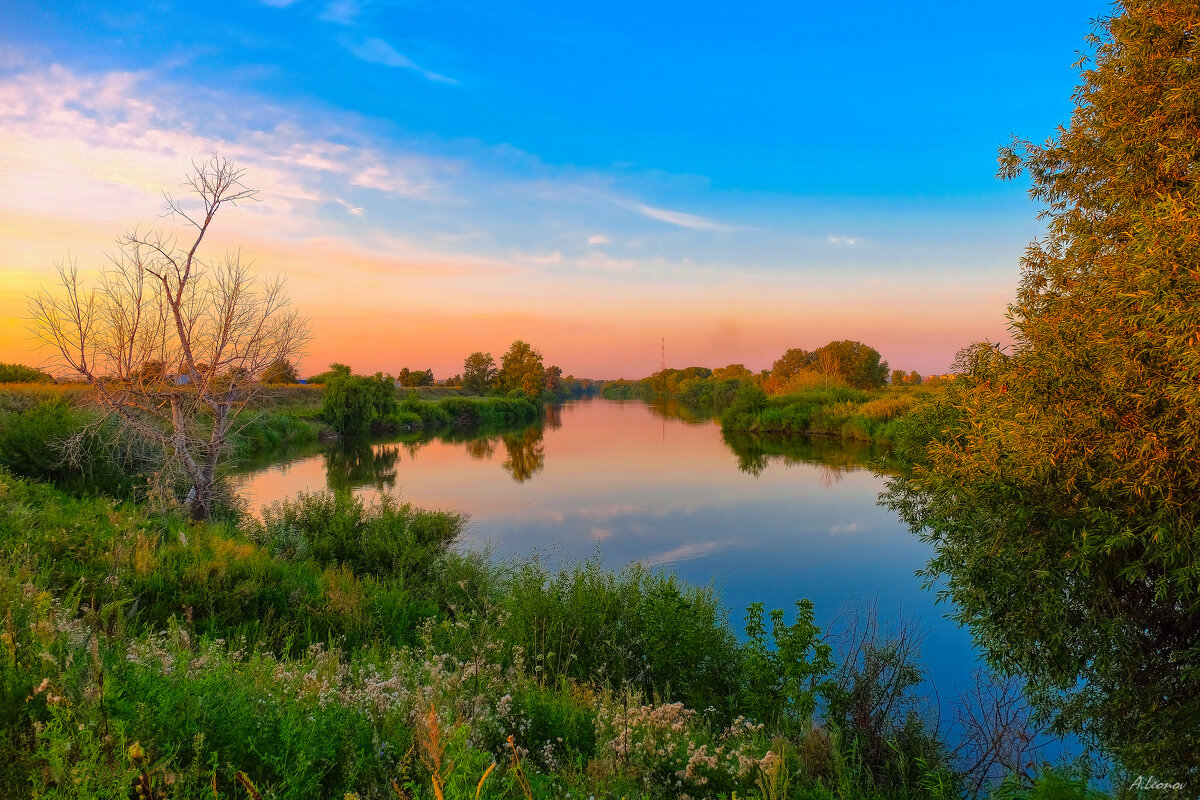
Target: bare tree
(826, 364)
(173, 343)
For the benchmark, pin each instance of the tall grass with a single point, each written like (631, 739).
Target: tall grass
(342, 649)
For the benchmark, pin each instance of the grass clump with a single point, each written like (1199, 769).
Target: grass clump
(384, 539)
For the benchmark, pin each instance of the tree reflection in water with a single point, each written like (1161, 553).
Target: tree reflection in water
(835, 456)
(353, 463)
(526, 453)
(482, 448)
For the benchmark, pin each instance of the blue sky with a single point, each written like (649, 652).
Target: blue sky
(741, 178)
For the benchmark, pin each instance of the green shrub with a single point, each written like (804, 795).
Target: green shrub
(788, 672)
(630, 628)
(386, 538)
(19, 373)
(33, 443)
(354, 404)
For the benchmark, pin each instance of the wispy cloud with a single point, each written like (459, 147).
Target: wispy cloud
(599, 238)
(846, 241)
(693, 221)
(350, 207)
(685, 552)
(377, 51)
(341, 12)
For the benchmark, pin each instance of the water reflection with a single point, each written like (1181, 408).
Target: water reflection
(483, 448)
(755, 452)
(526, 453)
(351, 464)
(365, 463)
(765, 518)
(673, 409)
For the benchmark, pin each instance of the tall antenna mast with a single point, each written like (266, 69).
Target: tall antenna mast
(662, 361)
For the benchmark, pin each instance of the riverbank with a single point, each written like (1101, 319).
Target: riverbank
(862, 415)
(743, 406)
(336, 648)
(51, 432)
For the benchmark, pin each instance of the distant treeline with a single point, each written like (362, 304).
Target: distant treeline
(521, 367)
(840, 389)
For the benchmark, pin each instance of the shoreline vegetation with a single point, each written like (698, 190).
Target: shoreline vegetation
(840, 390)
(337, 649)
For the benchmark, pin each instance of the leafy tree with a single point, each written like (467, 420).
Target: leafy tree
(791, 362)
(898, 377)
(281, 371)
(914, 378)
(553, 379)
(521, 368)
(733, 371)
(335, 368)
(1064, 494)
(409, 378)
(354, 404)
(19, 373)
(861, 366)
(479, 373)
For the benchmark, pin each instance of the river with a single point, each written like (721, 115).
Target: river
(762, 520)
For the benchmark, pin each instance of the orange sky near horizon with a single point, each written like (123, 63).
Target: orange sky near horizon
(418, 277)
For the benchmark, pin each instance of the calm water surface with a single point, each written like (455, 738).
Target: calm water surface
(628, 482)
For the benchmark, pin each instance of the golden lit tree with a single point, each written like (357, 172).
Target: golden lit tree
(1062, 488)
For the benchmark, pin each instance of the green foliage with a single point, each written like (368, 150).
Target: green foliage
(416, 377)
(260, 431)
(749, 402)
(19, 373)
(787, 675)
(493, 412)
(791, 362)
(521, 368)
(128, 655)
(335, 529)
(859, 365)
(1064, 497)
(34, 443)
(631, 628)
(335, 369)
(281, 371)
(354, 404)
(833, 411)
(479, 373)
(1050, 785)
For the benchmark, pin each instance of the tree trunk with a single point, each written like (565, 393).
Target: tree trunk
(200, 500)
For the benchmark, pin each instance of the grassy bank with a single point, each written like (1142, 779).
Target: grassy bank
(336, 648)
(51, 432)
(864, 415)
(824, 407)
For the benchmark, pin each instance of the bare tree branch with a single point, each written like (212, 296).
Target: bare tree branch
(172, 344)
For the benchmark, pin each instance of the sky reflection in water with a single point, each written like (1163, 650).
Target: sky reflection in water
(626, 481)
